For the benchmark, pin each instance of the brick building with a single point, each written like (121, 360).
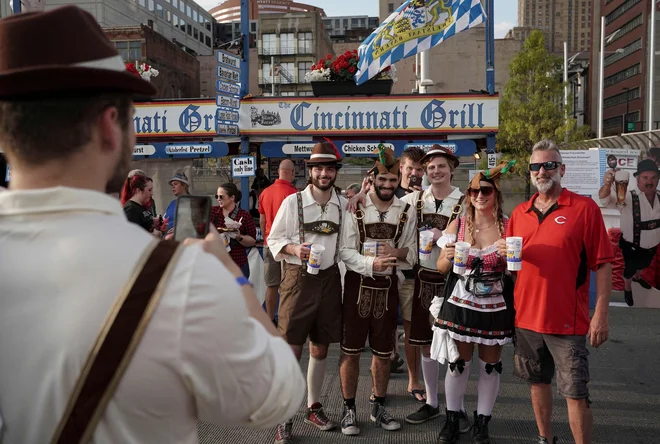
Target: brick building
(179, 75)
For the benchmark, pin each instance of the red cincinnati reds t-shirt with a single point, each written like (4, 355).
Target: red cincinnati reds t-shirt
(559, 248)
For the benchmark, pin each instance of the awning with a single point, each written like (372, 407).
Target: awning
(638, 141)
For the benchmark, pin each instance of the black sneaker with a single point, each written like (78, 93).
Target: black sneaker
(643, 283)
(283, 435)
(464, 424)
(544, 440)
(425, 413)
(450, 433)
(628, 297)
(383, 419)
(349, 422)
(480, 430)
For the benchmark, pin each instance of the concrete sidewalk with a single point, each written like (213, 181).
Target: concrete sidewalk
(625, 391)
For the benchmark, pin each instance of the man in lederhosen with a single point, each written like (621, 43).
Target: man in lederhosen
(371, 288)
(310, 304)
(434, 208)
(640, 222)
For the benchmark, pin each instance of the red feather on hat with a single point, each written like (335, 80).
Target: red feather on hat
(335, 147)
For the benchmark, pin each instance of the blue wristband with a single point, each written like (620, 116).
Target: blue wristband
(243, 281)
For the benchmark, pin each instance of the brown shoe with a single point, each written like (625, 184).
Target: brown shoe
(316, 417)
(283, 435)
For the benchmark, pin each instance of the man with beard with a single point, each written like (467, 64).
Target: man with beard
(69, 258)
(434, 208)
(371, 288)
(640, 222)
(563, 238)
(310, 304)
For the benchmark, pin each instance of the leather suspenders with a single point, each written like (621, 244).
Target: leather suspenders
(301, 223)
(403, 218)
(638, 225)
(115, 344)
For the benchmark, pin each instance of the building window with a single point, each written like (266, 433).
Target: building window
(287, 72)
(614, 122)
(143, 3)
(189, 11)
(168, 16)
(189, 29)
(182, 25)
(620, 98)
(175, 3)
(208, 41)
(151, 5)
(182, 6)
(175, 20)
(130, 51)
(305, 43)
(159, 10)
(625, 29)
(269, 44)
(286, 43)
(195, 16)
(195, 33)
(618, 12)
(622, 75)
(303, 68)
(390, 7)
(634, 46)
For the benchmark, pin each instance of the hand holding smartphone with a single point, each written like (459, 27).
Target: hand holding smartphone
(414, 181)
(192, 217)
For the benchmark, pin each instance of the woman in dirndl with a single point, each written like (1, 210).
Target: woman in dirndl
(479, 307)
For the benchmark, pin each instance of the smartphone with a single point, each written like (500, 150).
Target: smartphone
(415, 181)
(192, 217)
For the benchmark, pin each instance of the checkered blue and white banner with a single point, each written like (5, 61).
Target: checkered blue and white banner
(417, 25)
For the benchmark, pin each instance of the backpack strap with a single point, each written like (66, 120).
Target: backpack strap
(115, 344)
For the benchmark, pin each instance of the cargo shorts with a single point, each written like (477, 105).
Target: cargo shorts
(538, 356)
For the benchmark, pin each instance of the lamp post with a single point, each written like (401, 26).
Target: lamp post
(625, 118)
(601, 76)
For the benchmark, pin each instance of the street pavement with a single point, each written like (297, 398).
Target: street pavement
(625, 391)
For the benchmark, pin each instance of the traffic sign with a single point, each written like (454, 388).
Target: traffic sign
(228, 59)
(227, 88)
(227, 115)
(227, 129)
(228, 102)
(228, 74)
(492, 160)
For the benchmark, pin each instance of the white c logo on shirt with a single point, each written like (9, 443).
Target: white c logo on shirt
(560, 220)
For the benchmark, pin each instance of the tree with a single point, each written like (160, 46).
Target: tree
(531, 107)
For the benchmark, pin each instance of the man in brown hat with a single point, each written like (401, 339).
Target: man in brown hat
(376, 240)
(310, 303)
(434, 208)
(66, 129)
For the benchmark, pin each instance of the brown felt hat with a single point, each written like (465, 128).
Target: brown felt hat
(437, 150)
(324, 153)
(61, 51)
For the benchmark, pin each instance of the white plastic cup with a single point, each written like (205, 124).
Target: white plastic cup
(315, 259)
(514, 253)
(461, 257)
(370, 249)
(425, 245)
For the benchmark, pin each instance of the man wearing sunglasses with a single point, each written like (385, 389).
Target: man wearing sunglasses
(640, 222)
(563, 238)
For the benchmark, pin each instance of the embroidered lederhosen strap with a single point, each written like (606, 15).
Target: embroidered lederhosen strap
(116, 343)
(638, 225)
(301, 223)
(419, 206)
(403, 218)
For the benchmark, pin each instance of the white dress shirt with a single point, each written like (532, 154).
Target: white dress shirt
(429, 208)
(285, 229)
(647, 238)
(350, 237)
(66, 254)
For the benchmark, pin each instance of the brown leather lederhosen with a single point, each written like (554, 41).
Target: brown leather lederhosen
(310, 304)
(370, 304)
(428, 282)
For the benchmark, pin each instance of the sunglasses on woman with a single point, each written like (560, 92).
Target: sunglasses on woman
(219, 196)
(485, 191)
(548, 166)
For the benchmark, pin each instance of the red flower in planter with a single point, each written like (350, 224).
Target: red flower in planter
(130, 67)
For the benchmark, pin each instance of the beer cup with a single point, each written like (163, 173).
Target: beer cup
(425, 245)
(621, 179)
(315, 258)
(462, 251)
(514, 253)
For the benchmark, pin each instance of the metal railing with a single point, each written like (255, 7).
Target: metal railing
(282, 50)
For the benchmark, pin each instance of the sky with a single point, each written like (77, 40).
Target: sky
(506, 14)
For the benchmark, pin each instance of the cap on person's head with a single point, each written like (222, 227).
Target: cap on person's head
(437, 150)
(136, 173)
(324, 153)
(179, 177)
(58, 53)
(646, 165)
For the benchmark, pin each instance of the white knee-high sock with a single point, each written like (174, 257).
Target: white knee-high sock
(455, 386)
(487, 389)
(431, 372)
(315, 375)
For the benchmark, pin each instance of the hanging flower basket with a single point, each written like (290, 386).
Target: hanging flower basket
(336, 78)
(349, 88)
(145, 71)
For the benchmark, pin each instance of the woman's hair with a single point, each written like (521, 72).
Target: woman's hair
(232, 191)
(497, 212)
(133, 184)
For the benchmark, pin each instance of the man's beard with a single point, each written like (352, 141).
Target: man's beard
(384, 198)
(547, 184)
(116, 181)
(316, 181)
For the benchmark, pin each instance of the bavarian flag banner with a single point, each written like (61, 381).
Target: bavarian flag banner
(415, 26)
